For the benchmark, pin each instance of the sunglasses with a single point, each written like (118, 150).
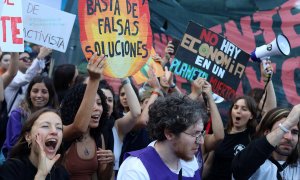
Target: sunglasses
(26, 59)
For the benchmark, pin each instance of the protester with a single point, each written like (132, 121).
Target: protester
(125, 121)
(14, 93)
(40, 94)
(167, 83)
(4, 62)
(5, 79)
(240, 128)
(122, 103)
(9, 62)
(274, 154)
(84, 114)
(138, 138)
(176, 123)
(35, 154)
(201, 91)
(264, 98)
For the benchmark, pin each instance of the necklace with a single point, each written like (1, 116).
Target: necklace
(83, 140)
(86, 151)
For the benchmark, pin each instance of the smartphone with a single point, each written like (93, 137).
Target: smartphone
(175, 43)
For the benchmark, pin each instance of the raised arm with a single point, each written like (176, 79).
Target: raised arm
(271, 96)
(81, 122)
(153, 82)
(170, 78)
(292, 120)
(12, 70)
(36, 67)
(127, 122)
(211, 140)
(254, 155)
(169, 49)
(201, 87)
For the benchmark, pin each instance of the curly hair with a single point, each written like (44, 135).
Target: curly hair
(175, 113)
(251, 105)
(71, 104)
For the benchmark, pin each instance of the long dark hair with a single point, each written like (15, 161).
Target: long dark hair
(251, 105)
(105, 85)
(71, 104)
(21, 148)
(27, 105)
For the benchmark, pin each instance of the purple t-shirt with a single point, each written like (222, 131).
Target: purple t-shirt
(13, 130)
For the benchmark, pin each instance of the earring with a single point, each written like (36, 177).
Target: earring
(29, 145)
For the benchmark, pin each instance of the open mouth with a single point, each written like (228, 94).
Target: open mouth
(51, 144)
(238, 118)
(95, 117)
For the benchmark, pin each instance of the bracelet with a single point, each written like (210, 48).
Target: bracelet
(125, 81)
(173, 85)
(155, 92)
(284, 129)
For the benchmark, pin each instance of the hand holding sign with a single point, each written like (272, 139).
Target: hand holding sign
(203, 53)
(198, 85)
(44, 51)
(119, 29)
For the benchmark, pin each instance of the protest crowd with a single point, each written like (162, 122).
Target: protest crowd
(57, 123)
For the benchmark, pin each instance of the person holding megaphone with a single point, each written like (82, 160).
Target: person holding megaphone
(266, 98)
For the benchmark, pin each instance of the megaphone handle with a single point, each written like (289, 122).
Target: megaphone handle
(266, 67)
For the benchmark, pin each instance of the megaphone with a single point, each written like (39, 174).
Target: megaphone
(280, 45)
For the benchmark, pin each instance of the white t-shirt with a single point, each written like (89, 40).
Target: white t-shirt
(117, 147)
(268, 170)
(22, 80)
(133, 168)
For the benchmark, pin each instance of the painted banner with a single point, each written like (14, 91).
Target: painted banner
(11, 25)
(256, 24)
(47, 26)
(142, 75)
(120, 30)
(203, 53)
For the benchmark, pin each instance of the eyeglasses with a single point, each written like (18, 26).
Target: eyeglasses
(26, 59)
(197, 136)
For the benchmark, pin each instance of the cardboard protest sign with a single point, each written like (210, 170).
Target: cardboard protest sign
(47, 26)
(142, 75)
(203, 53)
(119, 29)
(11, 25)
